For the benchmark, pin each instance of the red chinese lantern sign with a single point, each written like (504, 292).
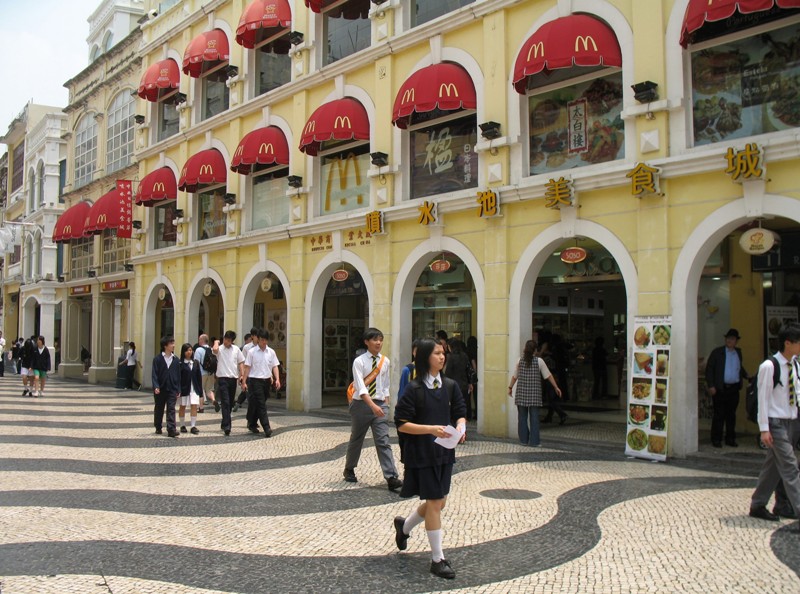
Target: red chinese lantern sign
(340, 275)
(573, 255)
(440, 266)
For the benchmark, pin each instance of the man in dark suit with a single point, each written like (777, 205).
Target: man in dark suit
(166, 386)
(724, 374)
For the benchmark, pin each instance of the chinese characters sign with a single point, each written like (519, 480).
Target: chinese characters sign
(356, 238)
(577, 126)
(558, 193)
(321, 243)
(427, 213)
(443, 158)
(644, 180)
(125, 194)
(488, 204)
(746, 163)
(374, 222)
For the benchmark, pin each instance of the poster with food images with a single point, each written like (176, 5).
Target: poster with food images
(648, 391)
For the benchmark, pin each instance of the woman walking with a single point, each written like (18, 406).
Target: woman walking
(529, 373)
(191, 388)
(131, 361)
(40, 364)
(429, 404)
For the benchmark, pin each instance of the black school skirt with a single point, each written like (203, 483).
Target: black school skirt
(432, 482)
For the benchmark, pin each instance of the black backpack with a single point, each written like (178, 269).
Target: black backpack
(751, 396)
(209, 361)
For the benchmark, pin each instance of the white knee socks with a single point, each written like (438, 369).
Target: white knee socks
(435, 538)
(413, 520)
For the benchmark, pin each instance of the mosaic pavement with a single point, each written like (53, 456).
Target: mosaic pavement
(92, 501)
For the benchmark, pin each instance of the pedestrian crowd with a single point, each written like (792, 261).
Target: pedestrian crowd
(29, 358)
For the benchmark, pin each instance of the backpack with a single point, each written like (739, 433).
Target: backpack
(751, 396)
(209, 361)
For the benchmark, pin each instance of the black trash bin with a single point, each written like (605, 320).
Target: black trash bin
(122, 374)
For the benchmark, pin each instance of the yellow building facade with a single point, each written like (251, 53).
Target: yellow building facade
(424, 165)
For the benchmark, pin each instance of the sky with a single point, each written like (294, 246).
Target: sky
(44, 45)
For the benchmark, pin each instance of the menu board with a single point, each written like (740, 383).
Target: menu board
(648, 391)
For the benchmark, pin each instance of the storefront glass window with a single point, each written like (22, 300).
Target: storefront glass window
(211, 220)
(344, 182)
(347, 29)
(577, 125)
(443, 157)
(427, 10)
(165, 232)
(167, 118)
(216, 94)
(116, 252)
(270, 206)
(273, 65)
(81, 252)
(443, 300)
(747, 86)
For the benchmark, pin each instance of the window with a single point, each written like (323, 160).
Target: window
(81, 252)
(579, 123)
(30, 260)
(427, 10)
(165, 4)
(343, 176)
(40, 183)
(95, 53)
(31, 191)
(273, 65)
(347, 29)
(269, 206)
(216, 94)
(165, 232)
(211, 221)
(116, 252)
(85, 150)
(62, 179)
(37, 257)
(743, 86)
(168, 117)
(18, 167)
(443, 157)
(119, 135)
(108, 42)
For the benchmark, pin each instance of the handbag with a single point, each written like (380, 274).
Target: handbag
(371, 377)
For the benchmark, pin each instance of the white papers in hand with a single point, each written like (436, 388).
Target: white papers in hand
(452, 441)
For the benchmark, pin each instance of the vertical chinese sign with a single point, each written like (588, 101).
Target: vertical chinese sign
(648, 393)
(125, 195)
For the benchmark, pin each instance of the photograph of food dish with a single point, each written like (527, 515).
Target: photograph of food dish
(643, 363)
(661, 391)
(638, 414)
(658, 418)
(657, 444)
(641, 337)
(637, 439)
(662, 363)
(662, 335)
(641, 388)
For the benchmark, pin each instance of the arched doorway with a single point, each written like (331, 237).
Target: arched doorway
(159, 321)
(31, 311)
(205, 307)
(345, 318)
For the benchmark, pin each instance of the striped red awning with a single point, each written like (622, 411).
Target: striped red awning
(263, 146)
(156, 186)
(700, 12)
(71, 223)
(159, 76)
(205, 168)
(208, 47)
(342, 119)
(262, 15)
(441, 86)
(574, 40)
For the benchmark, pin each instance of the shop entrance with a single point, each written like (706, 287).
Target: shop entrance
(210, 314)
(344, 320)
(444, 299)
(579, 316)
(165, 318)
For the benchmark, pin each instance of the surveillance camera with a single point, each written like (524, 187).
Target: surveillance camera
(152, 13)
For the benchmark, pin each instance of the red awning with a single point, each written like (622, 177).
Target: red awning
(71, 223)
(575, 40)
(343, 119)
(262, 14)
(103, 215)
(352, 9)
(442, 86)
(699, 12)
(161, 75)
(156, 186)
(264, 146)
(204, 168)
(211, 46)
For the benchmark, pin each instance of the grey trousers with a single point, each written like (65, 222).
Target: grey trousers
(362, 418)
(780, 464)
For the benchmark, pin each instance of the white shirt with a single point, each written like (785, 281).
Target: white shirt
(228, 360)
(362, 367)
(246, 348)
(2, 345)
(131, 357)
(429, 380)
(774, 402)
(168, 359)
(261, 363)
(542, 369)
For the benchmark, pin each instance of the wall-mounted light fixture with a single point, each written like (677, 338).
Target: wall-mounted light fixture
(92, 273)
(229, 198)
(180, 98)
(128, 267)
(296, 38)
(379, 159)
(178, 213)
(294, 181)
(137, 224)
(232, 71)
(139, 119)
(645, 92)
(378, 2)
(61, 278)
(490, 130)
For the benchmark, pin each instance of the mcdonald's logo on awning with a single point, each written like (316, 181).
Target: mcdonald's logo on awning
(585, 41)
(409, 95)
(158, 187)
(342, 122)
(206, 169)
(311, 126)
(448, 88)
(535, 50)
(102, 219)
(265, 149)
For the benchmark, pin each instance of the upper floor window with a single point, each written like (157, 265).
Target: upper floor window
(18, 166)
(269, 206)
(273, 65)
(346, 28)
(96, 52)
(165, 233)
(216, 95)
(31, 191)
(108, 42)
(746, 81)
(206, 59)
(119, 134)
(85, 150)
(40, 182)
(344, 184)
(168, 116)
(116, 252)
(211, 219)
(427, 10)
(81, 253)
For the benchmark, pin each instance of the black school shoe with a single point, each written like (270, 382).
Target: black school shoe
(784, 512)
(350, 475)
(762, 513)
(394, 483)
(442, 569)
(400, 537)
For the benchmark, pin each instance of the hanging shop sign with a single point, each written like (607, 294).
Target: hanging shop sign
(162, 294)
(266, 284)
(759, 241)
(340, 275)
(80, 290)
(573, 255)
(440, 265)
(117, 285)
(648, 389)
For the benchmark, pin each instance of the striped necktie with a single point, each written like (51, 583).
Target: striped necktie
(374, 383)
(436, 384)
(791, 384)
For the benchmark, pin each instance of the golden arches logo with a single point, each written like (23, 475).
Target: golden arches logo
(266, 149)
(585, 41)
(342, 166)
(206, 169)
(239, 150)
(102, 219)
(158, 187)
(448, 88)
(342, 122)
(67, 229)
(409, 95)
(311, 126)
(536, 49)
